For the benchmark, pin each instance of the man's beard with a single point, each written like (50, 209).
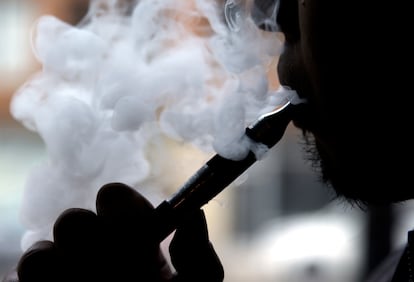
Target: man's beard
(357, 175)
(321, 166)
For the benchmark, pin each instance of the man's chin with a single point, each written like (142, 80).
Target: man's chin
(366, 194)
(355, 183)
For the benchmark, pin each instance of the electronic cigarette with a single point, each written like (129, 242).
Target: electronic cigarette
(217, 173)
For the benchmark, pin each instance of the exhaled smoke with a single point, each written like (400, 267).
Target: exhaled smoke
(131, 74)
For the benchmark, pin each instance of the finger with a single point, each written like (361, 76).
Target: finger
(77, 237)
(128, 219)
(117, 199)
(192, 253)
(39, 263)
(76, 230)
(126, 212)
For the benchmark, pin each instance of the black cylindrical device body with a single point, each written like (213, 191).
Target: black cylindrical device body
(217, 173)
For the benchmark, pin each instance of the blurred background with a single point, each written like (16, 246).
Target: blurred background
(278, 224)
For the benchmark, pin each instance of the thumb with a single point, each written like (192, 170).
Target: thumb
(192, 253)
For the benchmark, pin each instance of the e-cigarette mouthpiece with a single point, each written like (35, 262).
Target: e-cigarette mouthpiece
(217, 173)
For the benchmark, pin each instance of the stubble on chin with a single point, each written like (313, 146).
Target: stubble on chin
(314, 157)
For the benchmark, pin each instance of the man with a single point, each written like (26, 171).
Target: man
(350, 61)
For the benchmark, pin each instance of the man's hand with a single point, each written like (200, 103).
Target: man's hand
(117, 244)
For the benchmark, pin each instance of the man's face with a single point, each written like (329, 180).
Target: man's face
(335, 57)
